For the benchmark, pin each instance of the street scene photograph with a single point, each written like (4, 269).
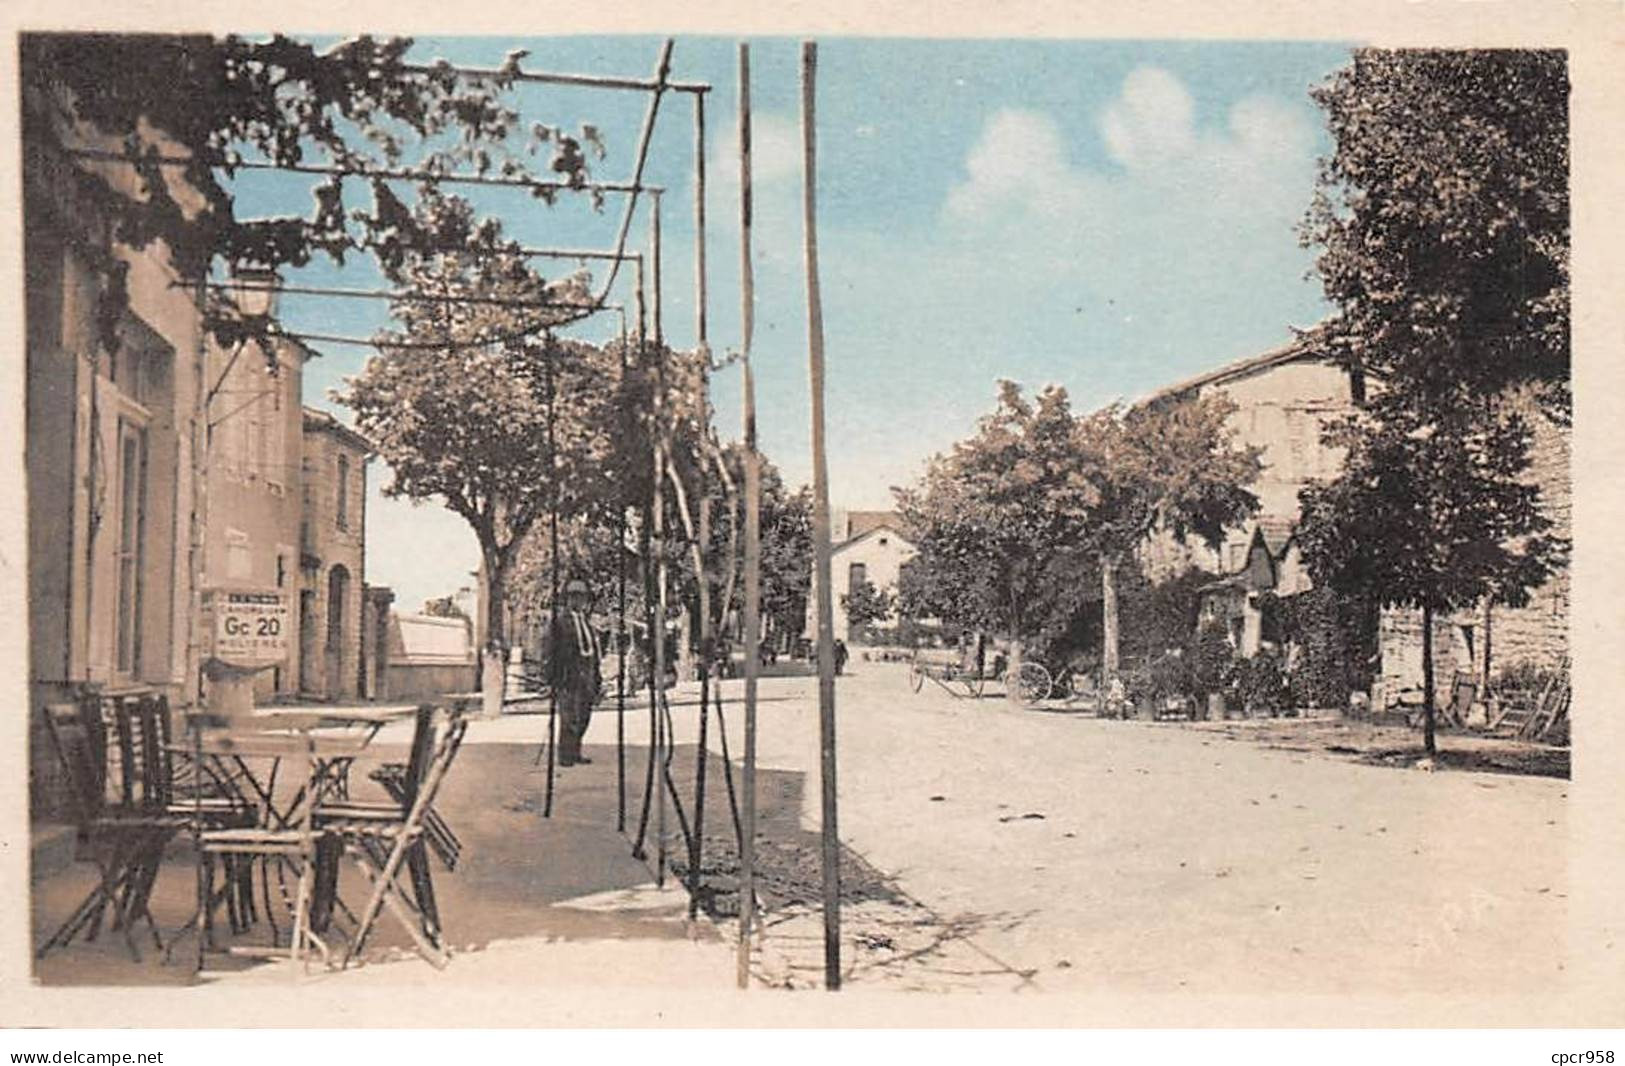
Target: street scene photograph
(1015, 517)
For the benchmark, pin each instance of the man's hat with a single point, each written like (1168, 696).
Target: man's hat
(577, 585)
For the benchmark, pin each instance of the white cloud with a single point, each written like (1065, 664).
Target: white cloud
(1152, 121)
(1165, 166)
(775, 150)
(1020, 159)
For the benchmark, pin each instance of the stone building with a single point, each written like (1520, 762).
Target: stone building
(1485, 640)
(113, 419)
(332, 539)
(1282, 399)
(160, 465)
(254, 476)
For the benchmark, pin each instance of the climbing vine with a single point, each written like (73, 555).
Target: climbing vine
(188, 113)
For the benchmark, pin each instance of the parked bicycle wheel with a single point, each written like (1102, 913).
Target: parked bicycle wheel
(916, 676)
(1033, 684)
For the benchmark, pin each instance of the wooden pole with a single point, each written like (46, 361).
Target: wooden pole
(821, 544)
(620, 625)
(696, 841)
(753, 530)
(652, 630)
(696, 850)
(699, 222)
(553, 568)
(662, 739)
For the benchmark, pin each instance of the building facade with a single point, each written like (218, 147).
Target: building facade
(868, 546)
(332, 554)
(114, 359)
(161, 465)
(253, 465)
(1282, 400)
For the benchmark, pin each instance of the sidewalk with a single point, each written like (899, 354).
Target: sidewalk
(556, 902)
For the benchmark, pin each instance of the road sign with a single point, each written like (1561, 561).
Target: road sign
(247, 627)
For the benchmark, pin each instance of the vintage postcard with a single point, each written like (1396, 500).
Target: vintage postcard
(673, 520)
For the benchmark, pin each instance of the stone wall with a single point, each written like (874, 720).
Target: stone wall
(1537, 633)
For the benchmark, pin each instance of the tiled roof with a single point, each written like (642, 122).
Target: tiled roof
(322, 421)
(1291, 352)
(1277, 530)
(860, 522)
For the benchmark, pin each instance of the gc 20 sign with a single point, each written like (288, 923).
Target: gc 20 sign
(247, 628)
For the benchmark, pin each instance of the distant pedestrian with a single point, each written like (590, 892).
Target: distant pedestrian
(840, 656)
(574, 665)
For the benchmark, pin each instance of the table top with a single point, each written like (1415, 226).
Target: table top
(316, 717)
(270, 744)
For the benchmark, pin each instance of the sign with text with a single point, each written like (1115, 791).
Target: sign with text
(247, 628)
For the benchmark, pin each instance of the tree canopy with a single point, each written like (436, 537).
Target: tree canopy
(471, 404)
(866, 605)
(1020, 523)
(1442, 215)
(1442, 218)
(1002, 521)
(189, 112)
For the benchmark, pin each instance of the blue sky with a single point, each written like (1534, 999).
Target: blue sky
(1107, 216)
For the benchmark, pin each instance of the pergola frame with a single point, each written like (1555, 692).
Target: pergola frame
(698, 538)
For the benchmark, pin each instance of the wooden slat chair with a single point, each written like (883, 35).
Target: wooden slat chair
(437, 832)
(197, 788)
(345, 811)
(239, 847)
(198, 796)
(122, 825)
(381, 841)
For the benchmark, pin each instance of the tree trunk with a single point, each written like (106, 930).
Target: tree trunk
(1108, 613)
(1427, 678)
(1012, 673)
(494, 656)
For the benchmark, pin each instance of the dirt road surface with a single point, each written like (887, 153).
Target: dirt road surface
(1057, 852)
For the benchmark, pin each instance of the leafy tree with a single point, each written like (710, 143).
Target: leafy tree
(867, 605)
(786, 554)
(1442, 216)
(1168, 467)
(1000, 522)
(469, 407)
(221, 103)
(1431, 517)
(1213, 668)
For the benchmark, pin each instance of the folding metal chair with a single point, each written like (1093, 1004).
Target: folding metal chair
(381, 841)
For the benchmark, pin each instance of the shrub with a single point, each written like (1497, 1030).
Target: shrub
(1262, 683)
(1170, 675)
(1214, 662)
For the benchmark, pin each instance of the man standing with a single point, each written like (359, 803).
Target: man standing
(575, 655)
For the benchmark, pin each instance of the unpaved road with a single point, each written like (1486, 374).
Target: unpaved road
(1067, 853)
